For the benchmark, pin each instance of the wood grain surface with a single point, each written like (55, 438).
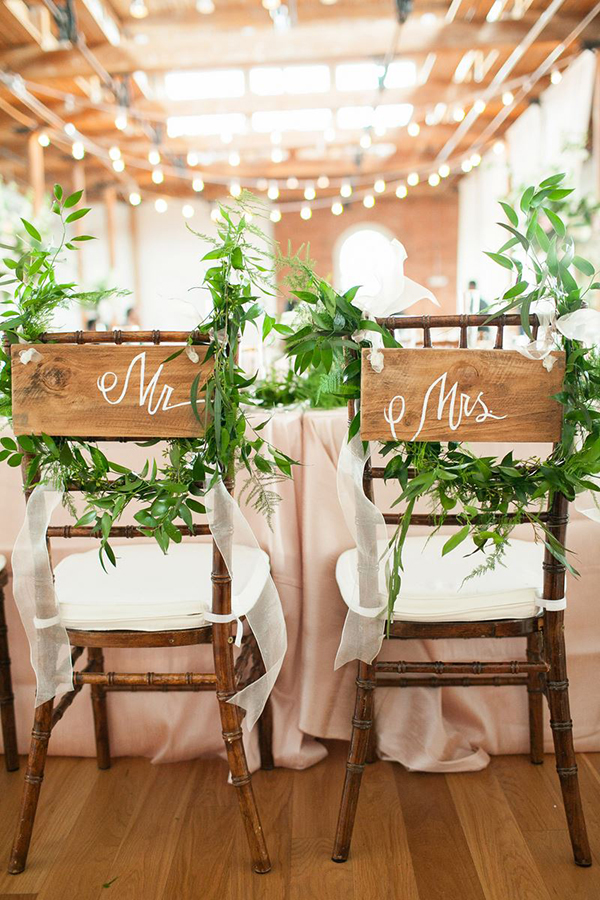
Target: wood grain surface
(98, 391)
(456, 395)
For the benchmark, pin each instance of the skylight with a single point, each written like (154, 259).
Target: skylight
(357, 76)
(393, 115)
(291, 120)
(271, 81)
(401, 74)
(205, 85)
(218, 123)
(353, 117)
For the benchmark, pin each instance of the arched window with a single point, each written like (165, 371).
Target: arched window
(360, 254)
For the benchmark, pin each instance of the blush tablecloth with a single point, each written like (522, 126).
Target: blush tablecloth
(431, 730)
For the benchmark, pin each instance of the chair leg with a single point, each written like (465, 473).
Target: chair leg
(236, 756)
(265, 737)
(7, 700)
(562, 733)
(372, 747)
(42, 726)
(535, 692)
(96, 655)
(357, 756)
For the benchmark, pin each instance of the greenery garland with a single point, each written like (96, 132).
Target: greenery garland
(540, 255)
(169, 492)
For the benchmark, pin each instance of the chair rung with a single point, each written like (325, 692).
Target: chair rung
(433, 520)
(454, 681)
(512, 667)
(124, 337)
(165, 688)
(145, 679)
(122, 531)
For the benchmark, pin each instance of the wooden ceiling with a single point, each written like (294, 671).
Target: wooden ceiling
(88, 64)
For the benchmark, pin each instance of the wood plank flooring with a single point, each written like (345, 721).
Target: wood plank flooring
(172, 832)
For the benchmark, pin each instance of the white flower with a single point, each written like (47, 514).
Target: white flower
(191, 354)
(30, 355)
(582, 325)
(395, 292)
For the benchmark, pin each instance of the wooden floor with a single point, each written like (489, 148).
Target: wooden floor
(172, 832)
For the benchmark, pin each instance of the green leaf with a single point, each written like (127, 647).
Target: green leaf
(516, 289)
(33, 232)
(73, 199)
(268, 324)
(58, 191)
(554, 179)
(583, 265)
(526, 198)
(501, 260)
(237, 260)
(556, 222)
(84, 237)
(511, 215)
(78, 214)
(455, 540)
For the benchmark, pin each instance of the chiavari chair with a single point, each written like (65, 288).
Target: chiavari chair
(544, 671)
(101, 611)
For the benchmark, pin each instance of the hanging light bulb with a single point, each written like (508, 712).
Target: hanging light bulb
(215, 214)
(306, 212)
(43, 139)
(121, 121)
(413, 128)
(78, 150)
(401, 191)
(70, 129)
(369, 201)
(479, 106)
(413, 179)
(205, 7)
(475, 159)
(235, 189)
(380, 130)
(292, 183)
(466, 165)
(198, 185)
(134, 198)
(161, 205)
(187, 211)
(379, 186)
(444, 170)
(366, 141)
(458, 113)
(434, 179)
(192, 159)
(118, 165)
(138, 9)
(276, 155)
(346, 189)
(322, 182)
(273, 191)
(114, 153)
(309, 192)
(154, 157)
(262, 184)
(507, 98)
(275, 215)
(234, 158)
(158, 176)
(499, 148)
(556, 76)
(337, 208)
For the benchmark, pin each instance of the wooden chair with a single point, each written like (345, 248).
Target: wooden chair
(7, 700)
(543, 673)
(228, 677)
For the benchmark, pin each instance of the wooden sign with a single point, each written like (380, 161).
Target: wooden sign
(99, 391)
(460, 395)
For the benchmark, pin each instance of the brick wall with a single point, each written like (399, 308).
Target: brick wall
(427, 225)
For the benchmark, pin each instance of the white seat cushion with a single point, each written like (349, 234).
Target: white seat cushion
(148, 591)
(433, 587)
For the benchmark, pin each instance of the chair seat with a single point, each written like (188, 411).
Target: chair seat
(148, 591)
(434, 588)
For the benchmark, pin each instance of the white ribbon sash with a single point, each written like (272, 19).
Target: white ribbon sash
(33, 588)
(363, 630)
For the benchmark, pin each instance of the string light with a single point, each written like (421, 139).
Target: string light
(322, 182)
(114, 153)
(215, 214)
(337, 208)
(198, 185)
(276, 155)
(369, 201)
(346, 189)
(192, 159)
(78, 150)
(138, 9)
(118, 165)
(479, 106)
(306, 212)
(187, 211)
(121, 121)
(273, 191)
(379, 186)
(466, 165)
(158, 176)
(43, 139)
(413, 179)
(508, 98)
(413, 128)
(556, 76)
(70, 129)
(309, 192)
(154, 157)
(498, 148)
(380, 130)
(275, 215)
(234, 158)
(292, 183)
(365, 141)
(262, 184)
(134, 198)
(475, 159)
(235, 189)
(161, 205)
(401, 191)
(205, 7)
(434, 179)
(444, 170)
(458, 113)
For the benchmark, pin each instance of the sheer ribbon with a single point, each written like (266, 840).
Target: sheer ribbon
(362, 635)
